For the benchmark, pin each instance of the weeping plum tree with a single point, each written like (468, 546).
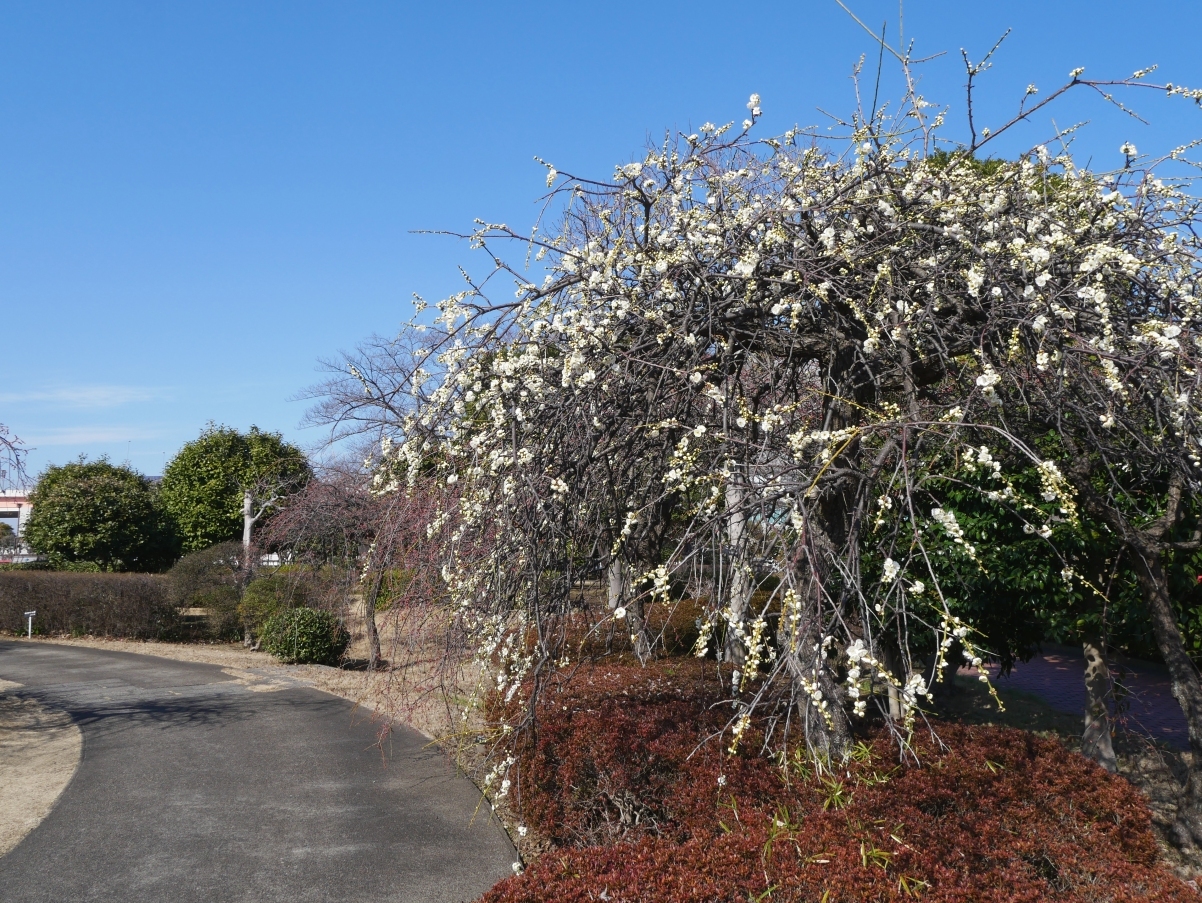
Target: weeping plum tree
(772, 358)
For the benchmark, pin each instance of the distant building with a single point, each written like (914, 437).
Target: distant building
(14, 511)
(15, 506)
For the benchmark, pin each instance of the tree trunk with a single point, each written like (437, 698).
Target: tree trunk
(369, 622)
(1145, 548)
(799, 638)
(827, 728)
(1187, 688)
(621, 596)
(617, 588)
(740, 581)
(1096, 741)
(890, 660)
(248, 521)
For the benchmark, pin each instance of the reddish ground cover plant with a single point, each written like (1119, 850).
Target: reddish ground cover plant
(636, 810)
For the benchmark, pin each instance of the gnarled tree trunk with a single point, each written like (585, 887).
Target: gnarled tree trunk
(1096, 740)
(1187, 687)
(622, 595)
(1145, 546)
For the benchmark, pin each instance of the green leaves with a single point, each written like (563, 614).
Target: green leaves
(305, 635)
(203, 484)
(95, 512)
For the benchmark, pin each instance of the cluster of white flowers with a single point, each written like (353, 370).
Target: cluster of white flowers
(495, 780)
(864, 668)
(947, 520)
(982, 457)
(889, 571)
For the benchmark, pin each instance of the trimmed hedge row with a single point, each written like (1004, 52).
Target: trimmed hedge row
(636, 812)
(116, 605)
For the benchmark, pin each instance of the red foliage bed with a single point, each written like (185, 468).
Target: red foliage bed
(636, 811)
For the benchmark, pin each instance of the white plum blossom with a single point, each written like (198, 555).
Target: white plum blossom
(890, 570)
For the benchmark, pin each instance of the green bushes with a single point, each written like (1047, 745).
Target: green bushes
(212, 579)
(305, 636)
(99, 514)
(136, 606)
(148, 606)
(266, 597)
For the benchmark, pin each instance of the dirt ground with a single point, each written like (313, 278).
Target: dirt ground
(39, 752)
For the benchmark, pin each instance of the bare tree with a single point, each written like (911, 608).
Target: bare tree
(328, 527)
(12, 458)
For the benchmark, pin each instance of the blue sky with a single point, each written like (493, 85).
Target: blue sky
(198, 201)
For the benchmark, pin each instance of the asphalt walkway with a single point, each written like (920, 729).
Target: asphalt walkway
(1145, 699)
(195, 787)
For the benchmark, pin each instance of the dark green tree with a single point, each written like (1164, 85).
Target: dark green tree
(221, 484)
(99, 513)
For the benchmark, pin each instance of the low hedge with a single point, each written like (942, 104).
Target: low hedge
(115, 605)
(635, 811)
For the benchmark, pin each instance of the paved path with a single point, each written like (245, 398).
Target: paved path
(1057, 675)
(193, 787)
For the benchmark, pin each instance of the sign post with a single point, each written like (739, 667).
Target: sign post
(29, 615)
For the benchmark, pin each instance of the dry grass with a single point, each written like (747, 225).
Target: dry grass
(39, 752)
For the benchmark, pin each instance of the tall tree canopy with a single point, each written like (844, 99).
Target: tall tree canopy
(95, 512)
(205, 485)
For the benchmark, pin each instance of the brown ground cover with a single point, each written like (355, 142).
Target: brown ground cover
(629, 807)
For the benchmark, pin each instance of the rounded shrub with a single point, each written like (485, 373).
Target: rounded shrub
(305, 636)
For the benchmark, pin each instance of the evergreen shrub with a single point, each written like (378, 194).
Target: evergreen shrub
(269, 595)
(210, 579)
(134, 606)
(305, 636)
